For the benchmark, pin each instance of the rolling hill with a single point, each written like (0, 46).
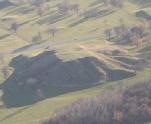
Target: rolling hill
(50, 58)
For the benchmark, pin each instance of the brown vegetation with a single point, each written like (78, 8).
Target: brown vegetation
(121, 106)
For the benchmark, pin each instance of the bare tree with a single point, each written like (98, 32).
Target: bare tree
(14, 27)
(37, 38)
(74, 8)
(5, 72)
(137, 33)
(52, 31)
(107, 33)
(63, 7)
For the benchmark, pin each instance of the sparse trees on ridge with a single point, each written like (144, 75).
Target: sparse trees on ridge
(126, 34)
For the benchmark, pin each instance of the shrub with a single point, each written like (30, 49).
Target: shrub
(127, 106)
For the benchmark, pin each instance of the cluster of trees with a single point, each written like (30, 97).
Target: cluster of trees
(120, 106)
(126, 34)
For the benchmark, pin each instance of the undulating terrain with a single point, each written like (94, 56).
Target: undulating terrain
(54, 52)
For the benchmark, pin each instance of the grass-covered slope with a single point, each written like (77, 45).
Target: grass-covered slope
(38, 77)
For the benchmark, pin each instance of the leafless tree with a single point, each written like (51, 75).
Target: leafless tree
(14, 27)
(107, 33)
(37, 38)
(52, 31)
(5, 72)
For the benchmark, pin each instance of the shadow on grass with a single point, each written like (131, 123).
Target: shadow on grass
(5, 4)
(4, 36)
(25, 10)
(96, 3)
(53, 18)
(141, 2)
(143, 14)
(91, 14)
(45, 76)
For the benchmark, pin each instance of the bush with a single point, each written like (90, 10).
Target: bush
(127, 106)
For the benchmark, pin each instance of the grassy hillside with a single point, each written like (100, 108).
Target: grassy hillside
(40, 72)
